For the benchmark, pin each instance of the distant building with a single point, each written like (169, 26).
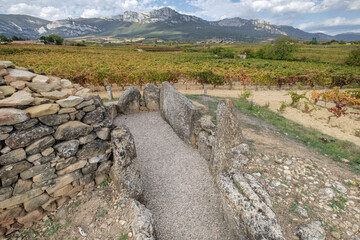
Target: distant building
(242, 56)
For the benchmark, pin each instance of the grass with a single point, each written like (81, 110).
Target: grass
(334, 148)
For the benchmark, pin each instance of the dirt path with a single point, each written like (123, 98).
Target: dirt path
(178, 186)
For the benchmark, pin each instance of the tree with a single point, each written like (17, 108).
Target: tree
(52, 39)
(314, 41)
(282, 49)
(4, 39)
(342, 42)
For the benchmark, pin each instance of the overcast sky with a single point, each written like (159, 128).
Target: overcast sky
(327, 16)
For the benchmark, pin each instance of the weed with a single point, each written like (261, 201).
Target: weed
(104, 183)
(101, 212)
(77, 203)
(245, 94)
(282, 107)
(267, 104)
(293, 206)
(123, 237)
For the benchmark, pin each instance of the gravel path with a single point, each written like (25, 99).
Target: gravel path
(178, 186)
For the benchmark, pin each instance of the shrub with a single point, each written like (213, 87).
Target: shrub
(354, 57)
(282, 49)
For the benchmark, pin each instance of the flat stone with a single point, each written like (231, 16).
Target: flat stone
(17, 99)
(13, 157)
(22, 186)
(40, 145)
(129, 101)
(19, 75)
(18, 199)
(39, 101)
(89, 108)
(66, 83)
(65, 163)
(14, 169)
(31, 217)
(93, 117)
(70, 102)
(43, 110)
(79, 115)
(85, 104)
(3, 72)
(339, 187)
(67, 110)
(53, 120)
(26, 125)
(78, 165)
(41, 87)
(41, 79)
(67, 149)
(63, 181)
(87, 139)
(55, 95)
(69, 91)
(4, 136)
(89, 168)
(7, 90)
(93, 149)
(9, 181)
(64, 191)
(72, 130)
(83, 91)
(11, 116)
(36, 202)
(46, 159)
(47, 151)
(5, 193)
(18, 85)
(36, 170)
(6, 64)
(47, 174)
(103, 133)
(6, 129)
(25, 138)
(34, 157)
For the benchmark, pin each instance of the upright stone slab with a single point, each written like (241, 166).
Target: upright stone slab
(129, 101)
(179, 112)
(152, 97)
(228, 137)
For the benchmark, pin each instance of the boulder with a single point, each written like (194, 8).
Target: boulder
(13, 157)
(7, 90)
(26, 125)
(17, 99)
(72, 130)
(18, 75)
(24, 138)
(55, 119)
(228, 137)
(93, 149)
(40, 145)
(11, 116)
(179, 112)
(129, 101)
(43, 110)
(311, 231)
(67, 149)
(152, 97)
(142, 223)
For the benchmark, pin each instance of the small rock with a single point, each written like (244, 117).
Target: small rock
(336, 235)
(339, 187)
(311, 231)
(40, 79)
(278, 160)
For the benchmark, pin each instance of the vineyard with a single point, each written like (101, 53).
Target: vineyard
(134, 64)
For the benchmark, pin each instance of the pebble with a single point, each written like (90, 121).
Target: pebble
(275, 183)
(278, 160)
(130, 234)
(341, 188)
(335, 235)
(122, 222)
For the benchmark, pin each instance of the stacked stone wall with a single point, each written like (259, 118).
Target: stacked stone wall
(55, 141)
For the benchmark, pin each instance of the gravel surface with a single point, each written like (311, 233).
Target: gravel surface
(179, 189)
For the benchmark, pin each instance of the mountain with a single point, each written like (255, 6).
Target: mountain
(164, 23)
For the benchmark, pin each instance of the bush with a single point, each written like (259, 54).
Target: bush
(52, 39)
(282, 49)
(354, 57)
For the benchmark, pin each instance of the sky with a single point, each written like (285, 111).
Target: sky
(326, 16)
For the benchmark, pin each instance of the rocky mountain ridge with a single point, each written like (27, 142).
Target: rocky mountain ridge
(164, 23)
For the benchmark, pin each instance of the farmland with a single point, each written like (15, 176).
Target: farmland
(138, 64)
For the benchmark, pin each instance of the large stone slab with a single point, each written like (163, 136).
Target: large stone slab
(152, 97)
(24, 138)
(11, 116)
(72, 130)
(228, 137)
(21, 98)
(179, 112)
(129, 101)
(18, 75)
(43, 110)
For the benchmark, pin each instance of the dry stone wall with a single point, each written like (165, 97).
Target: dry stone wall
(55, 141)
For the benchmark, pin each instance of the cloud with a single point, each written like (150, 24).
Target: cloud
(331, 22)
(90, 13)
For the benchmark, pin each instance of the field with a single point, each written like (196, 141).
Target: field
(138, 64)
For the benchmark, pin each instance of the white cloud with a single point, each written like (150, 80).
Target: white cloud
(90, 13)
(330, 22)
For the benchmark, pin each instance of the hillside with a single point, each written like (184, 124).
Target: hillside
(164, 23)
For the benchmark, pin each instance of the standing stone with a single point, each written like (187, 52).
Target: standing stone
(123, 145)
(129, 101)
(72, 130)
(228, 137)
(17, 99)
(11, 116)
(179, 112)
(26, 137)
(40, 145)
(152, 97)
(43, 110)
(67, 149)
(111, 110)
